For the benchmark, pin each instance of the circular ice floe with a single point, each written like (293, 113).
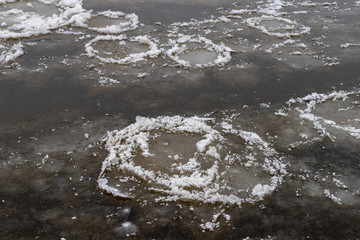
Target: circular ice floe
(113, 22)
(198, 52)
(26, 20)
(111, 57)
(334, 115)
(10, 53)
(277, 26)
(321, 178)
(187, 159)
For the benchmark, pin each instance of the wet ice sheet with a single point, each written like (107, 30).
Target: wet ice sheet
(196, 168)
(321, 153)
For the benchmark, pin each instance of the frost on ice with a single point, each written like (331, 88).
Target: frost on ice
(31, 18)
(332, 116)
(319, 118)
(117, 44)
(277, 26)
(10, 53)
(198, 52)
(111, 22)
(189, 159)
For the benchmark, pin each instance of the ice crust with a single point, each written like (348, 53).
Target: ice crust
(131, 58)
(25, 23)
(179, 47)
(211, 174)
(319, 118)
(126, 22)
(211, 160)
(10, 53)
(278, 27)
(309, 107)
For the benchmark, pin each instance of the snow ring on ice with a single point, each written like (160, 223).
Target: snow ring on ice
(113, 22)
(213, 54)
(131, 58)
(332, 115)
(10, 53)
(186, 159)
(27, 21)
(277, 26)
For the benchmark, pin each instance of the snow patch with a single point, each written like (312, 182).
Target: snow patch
(27, 22)
(9, 53)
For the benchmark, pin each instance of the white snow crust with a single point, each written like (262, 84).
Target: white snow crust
(10, 53)
(211, 175)
(131, 58)
(126, 22)
(180, 47)
(26, 22)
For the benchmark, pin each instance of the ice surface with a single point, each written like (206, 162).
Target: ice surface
(198, 56)
(112, 22)
(10, 53)
(334, 115)
(277, 26)
(186, 159)
(288, 32)
(23, 21)
(202, 168)
(325, 117)
(152, 52)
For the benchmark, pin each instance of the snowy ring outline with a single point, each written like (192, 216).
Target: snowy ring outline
(131, 58)
(255, 22)
(277, 168)
(221, 50)
(131, 24)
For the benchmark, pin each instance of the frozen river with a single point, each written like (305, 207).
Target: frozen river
(204, 119)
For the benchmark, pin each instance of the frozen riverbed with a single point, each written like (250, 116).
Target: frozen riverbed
(206, 120)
